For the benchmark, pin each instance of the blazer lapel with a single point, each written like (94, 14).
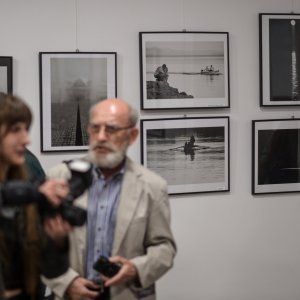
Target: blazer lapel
(130, 196)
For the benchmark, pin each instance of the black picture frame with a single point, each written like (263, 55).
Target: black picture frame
(275, 156)
(6, 74)
(198, 70)
(70, 82)
(191, 154)
(279, 52)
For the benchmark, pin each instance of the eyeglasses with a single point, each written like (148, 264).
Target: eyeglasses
(108, 129)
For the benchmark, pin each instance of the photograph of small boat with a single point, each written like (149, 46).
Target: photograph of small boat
(206, 71)
(210, 71)
(216, 72)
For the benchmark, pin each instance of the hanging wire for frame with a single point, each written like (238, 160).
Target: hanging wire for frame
(76, 25)
(182, 15)
(292, 11)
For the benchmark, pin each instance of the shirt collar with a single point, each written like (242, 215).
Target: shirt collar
(98, 173)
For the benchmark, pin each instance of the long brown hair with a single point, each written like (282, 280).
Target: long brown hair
(14, 110)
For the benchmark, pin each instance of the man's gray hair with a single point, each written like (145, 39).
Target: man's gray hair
(133, 115)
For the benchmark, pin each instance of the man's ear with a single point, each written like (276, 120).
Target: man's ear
(134, 132)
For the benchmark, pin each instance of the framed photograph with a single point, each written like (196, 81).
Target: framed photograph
(184, 70)
(279, 59)
(70, 82)
(6, 73)
(275, 156)
(191, 154)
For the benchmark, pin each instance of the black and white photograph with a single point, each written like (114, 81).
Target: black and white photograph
(70, 83)
(6, 74)
(184, 70)
(276, 156)
(191, 154)
(279, 59)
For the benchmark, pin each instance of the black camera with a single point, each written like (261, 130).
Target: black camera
(16, 193)
(106, 267)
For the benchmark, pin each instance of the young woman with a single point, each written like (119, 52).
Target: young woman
(21, 234)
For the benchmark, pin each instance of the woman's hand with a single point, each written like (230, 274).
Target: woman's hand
(57, 229)
(54, 190)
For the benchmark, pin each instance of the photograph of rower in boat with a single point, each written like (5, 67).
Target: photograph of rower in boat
(190, 158)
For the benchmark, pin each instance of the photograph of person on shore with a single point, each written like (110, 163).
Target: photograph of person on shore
(182, 70)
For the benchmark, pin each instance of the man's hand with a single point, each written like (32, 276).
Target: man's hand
(127, 272)
(81, 288)
(54, 190)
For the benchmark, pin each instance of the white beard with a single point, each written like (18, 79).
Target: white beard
(110, 160)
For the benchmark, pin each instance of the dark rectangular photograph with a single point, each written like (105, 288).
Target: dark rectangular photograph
(276, 156)
(280, 59)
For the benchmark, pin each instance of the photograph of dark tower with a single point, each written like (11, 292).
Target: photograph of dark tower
(284, 35)
(76, 83)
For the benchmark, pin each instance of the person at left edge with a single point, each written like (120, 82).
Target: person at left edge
(22, 241)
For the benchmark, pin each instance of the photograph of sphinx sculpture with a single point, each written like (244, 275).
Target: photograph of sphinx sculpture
(184, 70)
(70, 83)
(191, 154)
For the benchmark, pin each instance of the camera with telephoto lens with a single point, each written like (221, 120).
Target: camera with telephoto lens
(17, 192)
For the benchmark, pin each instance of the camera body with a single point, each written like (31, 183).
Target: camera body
(105, 267)
(17, 192)
(81, 178)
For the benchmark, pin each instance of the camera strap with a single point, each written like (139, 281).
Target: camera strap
(1, 286)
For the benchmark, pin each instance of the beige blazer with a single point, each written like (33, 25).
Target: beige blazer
(142, 234)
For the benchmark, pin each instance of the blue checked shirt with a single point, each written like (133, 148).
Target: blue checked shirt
(103, 201)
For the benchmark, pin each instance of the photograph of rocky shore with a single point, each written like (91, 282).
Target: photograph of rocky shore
(162, 90)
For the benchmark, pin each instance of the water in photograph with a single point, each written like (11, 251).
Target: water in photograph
(167, 158)
(184, 74)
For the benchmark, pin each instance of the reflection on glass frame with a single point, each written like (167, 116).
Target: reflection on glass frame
(70, 82)
(6, 73)
(191, 154)
(184, 70)
(275, 156)
(279, 59)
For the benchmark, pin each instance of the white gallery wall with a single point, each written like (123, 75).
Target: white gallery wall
(231, 245)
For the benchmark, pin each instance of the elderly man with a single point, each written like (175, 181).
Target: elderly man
(128, 216)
